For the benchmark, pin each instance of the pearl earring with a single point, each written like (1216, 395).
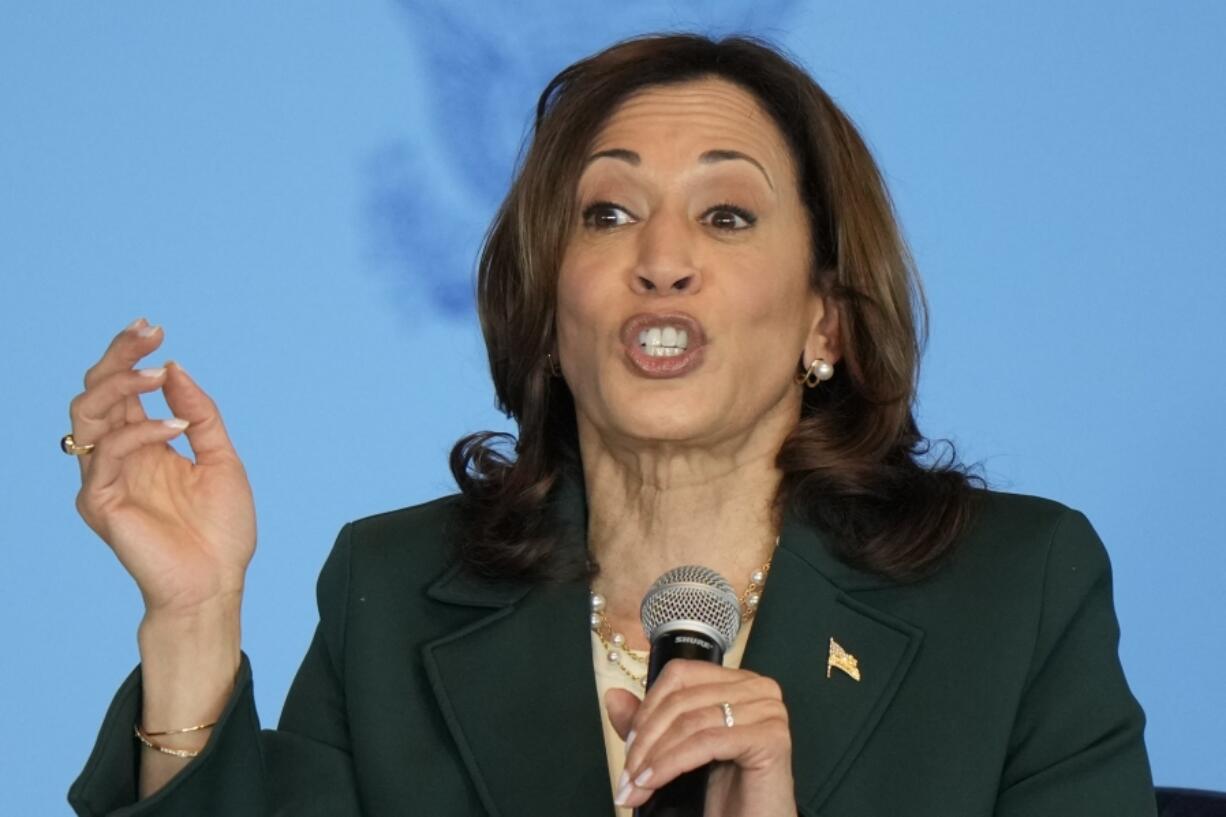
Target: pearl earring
(820, 369)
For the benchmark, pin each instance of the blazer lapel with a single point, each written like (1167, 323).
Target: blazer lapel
(802, 608)
(518, 692)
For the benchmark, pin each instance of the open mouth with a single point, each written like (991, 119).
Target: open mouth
(663, 345)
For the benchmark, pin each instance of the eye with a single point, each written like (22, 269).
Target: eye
(727, 215)
(602, 215)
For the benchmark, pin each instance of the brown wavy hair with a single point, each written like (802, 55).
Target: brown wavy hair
(854, 465)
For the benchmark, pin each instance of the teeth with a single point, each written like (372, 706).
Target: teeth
(664, 341)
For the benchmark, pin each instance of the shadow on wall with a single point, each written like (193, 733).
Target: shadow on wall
(432, 194)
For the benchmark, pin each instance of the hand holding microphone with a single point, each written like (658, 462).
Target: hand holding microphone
(706, 739)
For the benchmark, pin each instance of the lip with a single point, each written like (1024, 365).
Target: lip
(661, 367)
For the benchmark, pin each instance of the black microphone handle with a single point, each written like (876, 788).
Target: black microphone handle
(684, 796)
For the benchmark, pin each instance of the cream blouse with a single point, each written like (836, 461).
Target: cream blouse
(609, 675)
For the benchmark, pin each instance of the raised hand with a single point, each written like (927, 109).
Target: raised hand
(185, 530)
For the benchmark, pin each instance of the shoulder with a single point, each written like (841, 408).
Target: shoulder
(405, 548)
(1017, 645)
(1039, 626)
(376, 584)
(1047, 561)
(417, 528)
(417, 539)
(1021, 563)
(1019, 537)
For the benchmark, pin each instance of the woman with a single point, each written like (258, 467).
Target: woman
(700, 312)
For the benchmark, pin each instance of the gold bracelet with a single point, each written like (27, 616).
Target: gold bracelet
(195, 728)
(143, 737)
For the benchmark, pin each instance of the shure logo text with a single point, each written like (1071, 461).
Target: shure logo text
(697, 642)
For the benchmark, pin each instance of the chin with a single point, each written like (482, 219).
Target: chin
(663, 422)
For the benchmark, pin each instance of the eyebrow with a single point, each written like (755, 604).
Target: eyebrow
(710, 156)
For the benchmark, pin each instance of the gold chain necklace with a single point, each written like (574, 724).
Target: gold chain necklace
(615, 643)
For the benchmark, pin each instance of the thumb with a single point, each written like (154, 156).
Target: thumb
(188, 401)
(621, 705)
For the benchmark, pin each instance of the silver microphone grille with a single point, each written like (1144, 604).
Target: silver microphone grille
(692, 594)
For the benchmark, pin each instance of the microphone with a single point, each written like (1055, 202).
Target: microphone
(689, 612)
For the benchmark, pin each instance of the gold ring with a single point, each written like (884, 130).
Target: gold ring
(727, 707)
(70, 446)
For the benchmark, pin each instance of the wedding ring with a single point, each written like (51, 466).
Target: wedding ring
(70, 446)
(727, 707)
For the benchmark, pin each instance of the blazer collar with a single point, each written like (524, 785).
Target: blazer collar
(517, 689)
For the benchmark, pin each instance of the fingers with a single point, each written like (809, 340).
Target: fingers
(685, 684)
(621, 705)
(138, 339)
(685, 709)
(90, 410)
(760, 744)
(109, 453)
(673, 728)
(206, 433)
(704, 729)
(130, 345)
(111, 400)
(134, 342)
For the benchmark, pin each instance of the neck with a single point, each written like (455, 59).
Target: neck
(652, 508)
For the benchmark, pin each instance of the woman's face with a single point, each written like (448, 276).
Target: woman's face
(684, 300)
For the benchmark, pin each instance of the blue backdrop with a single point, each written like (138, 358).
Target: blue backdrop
(297, 194)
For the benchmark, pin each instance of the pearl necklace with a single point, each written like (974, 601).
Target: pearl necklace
(615, 643)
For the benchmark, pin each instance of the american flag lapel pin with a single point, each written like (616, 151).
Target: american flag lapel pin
(839, 658)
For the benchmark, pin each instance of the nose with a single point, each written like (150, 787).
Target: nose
(665, 263)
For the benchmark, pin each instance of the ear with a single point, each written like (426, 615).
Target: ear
(824, 339)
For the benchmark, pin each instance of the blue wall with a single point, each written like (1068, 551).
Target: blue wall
(299, 201)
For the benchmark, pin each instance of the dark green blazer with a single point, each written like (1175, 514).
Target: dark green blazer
(993, 687)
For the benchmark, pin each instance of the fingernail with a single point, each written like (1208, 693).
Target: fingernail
(621, 781)
(643, 777)
(151, 372)
(133, 325)
(176, 423)
(146, 331)
(629, 740)
(622, 794)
